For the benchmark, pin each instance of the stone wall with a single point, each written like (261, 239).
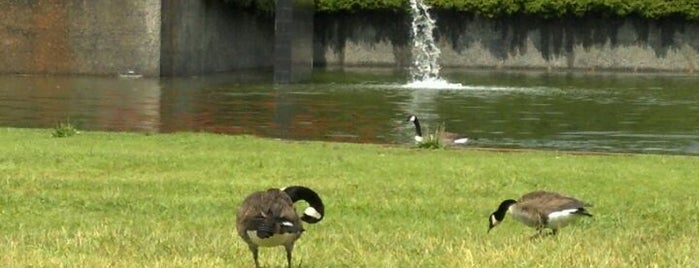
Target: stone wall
(208, 36)
(184, 37)
(149, 37)
(79, 37)
(467, 41)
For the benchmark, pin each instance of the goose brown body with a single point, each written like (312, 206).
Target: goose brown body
(445, 137)
(540, 210)
(268, 219)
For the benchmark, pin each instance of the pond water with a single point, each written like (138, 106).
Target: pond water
(648, 113)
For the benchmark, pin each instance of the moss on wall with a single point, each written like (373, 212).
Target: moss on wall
(651, 9)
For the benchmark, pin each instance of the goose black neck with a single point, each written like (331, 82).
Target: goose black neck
(418, 130)
(502, 209)
(311, 197)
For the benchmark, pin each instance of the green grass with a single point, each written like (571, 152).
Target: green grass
(137, 200)
(432, 141)
(64, 129)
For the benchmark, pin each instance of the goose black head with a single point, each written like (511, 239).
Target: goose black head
(499, 215)
(316, 211)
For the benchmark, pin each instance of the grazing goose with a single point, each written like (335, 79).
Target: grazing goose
(269, 219)
(447, 138)
(541, 210)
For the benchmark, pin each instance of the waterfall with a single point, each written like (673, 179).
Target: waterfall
(425, 51)
(424, 71)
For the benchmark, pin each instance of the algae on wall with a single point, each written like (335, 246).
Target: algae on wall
(521, 42)
(80, 37)
(685, 9)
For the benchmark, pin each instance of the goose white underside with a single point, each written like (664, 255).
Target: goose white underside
(272, 241)
(556, 219)
(461, 141)
(457, 141)
(559, 219)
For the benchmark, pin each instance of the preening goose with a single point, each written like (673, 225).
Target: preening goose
(540, 210)
(446, 138)
(269, 219)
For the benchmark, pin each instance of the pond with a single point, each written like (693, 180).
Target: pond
(646, 113)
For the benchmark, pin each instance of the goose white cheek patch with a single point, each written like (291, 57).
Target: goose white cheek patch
(312, 212)
(494, 221)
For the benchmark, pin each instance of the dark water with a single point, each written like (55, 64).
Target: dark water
(591, 112)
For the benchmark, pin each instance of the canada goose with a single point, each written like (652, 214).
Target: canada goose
(445, 138)
(269, 219)
(541, 209)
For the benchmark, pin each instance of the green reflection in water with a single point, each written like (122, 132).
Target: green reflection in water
(572, 111)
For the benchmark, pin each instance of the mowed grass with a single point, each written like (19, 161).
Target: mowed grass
(169, 200)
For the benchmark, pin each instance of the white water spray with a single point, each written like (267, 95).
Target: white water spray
(425, 52)
(424, 71)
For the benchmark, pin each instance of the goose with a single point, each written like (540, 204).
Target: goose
(540, 210)
(444, 138)
(269, 219)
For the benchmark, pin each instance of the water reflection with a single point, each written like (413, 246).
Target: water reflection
(619, 113)
(92, 103)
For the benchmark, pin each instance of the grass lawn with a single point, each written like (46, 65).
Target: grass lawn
(169, 200)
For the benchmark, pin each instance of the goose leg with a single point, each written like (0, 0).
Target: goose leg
(253, 249)
(539, 233)
(289, 248)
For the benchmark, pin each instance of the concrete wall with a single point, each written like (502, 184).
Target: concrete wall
(293, 40)
(191, 37)
(150, 37)
(207, 36)
(466, 41)
(79, 37)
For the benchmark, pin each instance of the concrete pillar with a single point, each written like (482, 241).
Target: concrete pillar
(293, 40)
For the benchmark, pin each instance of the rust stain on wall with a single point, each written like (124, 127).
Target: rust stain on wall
(51, 48)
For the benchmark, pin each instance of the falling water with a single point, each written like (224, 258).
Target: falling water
(425, 69)
(425, 52)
